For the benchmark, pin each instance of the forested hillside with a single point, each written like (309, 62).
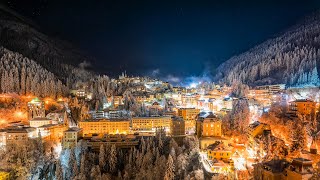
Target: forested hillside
(24, 76)
(59, 57)
(292, 58)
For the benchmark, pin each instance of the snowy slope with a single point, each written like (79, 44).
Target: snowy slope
(21, 35)
(292, 58)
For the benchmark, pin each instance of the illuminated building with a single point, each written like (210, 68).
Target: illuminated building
(119, 140)
(177, 127)
(71, 137)
(58, 116)
(208, 125)
(218, 151)
(189, 100)
(220, 167)
(273, 170)
(113, 114)
(18, 135)
(272, 89)
(150, 123)
(155, 109)
(302, 106)
(298, 169)
(98, 114)
(40, 121)
(257, 128)
(36, 108)
(117, 101)
(81, 94)
(189, 115)
(208, 129)
(105, 126)
(52, 132)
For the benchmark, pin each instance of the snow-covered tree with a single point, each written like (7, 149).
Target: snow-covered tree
(169, 173)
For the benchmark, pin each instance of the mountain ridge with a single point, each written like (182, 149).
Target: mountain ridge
(283, 59)
(21, 35)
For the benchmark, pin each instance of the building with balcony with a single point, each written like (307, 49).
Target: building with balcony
(302, 106)
(105, 126)
(119, 140)
(14, 135)
(151, 124)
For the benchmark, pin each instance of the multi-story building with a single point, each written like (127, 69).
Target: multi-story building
(190, 116)
(119, 140)
(208, 125)
(61, 117)
(302, 106)
(208, 129)
(105, 126)
(17, 135)
(177, 127)
(52, 132)
(188, 113)
(36, 108)
(40, 121)
(151, 124)
(218, 151)
(299, 168)
(257, 128)
(272, 89)
(189, 100)
(71, 137)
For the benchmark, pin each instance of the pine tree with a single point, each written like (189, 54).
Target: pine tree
(72, 160)
(83, 164)
(169, 173)
(113, 159)
(314, 77)
(58, 173)
(75, 169)
(102, 157)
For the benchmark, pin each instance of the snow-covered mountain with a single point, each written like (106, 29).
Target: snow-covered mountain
(20, 35)
(292, 58)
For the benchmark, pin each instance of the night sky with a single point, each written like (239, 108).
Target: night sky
(163, 38)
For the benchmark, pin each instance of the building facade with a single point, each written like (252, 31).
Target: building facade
(208, 125)
(71, 137)
(190, 116)
(36, 108)
(302, 106)
(105, 126)
(40, 121)
(177, 127)
(151, 124)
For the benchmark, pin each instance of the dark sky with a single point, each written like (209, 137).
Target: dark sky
(169, 38)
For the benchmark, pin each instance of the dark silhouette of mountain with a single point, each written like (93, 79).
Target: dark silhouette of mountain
(21, 35)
